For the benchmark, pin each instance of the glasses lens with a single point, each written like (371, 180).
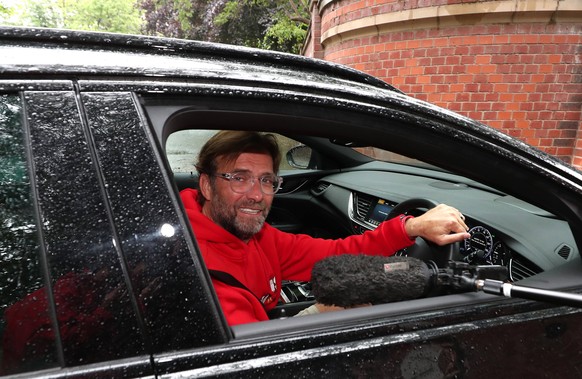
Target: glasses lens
(243, 182)
(240, 182)
(269, 184)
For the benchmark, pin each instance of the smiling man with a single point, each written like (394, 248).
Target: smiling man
(246, 257)
(242, 210)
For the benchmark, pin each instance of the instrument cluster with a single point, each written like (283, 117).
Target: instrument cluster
(485, 247)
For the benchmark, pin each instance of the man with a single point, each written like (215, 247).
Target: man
(248, 258)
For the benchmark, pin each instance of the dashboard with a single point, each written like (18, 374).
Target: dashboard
(504, 230)
(484, 246)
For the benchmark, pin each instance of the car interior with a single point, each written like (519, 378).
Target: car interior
(335, 186)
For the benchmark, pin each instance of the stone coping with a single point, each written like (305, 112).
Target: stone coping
(485, 12)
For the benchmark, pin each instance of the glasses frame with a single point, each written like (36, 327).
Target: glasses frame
(229, 176)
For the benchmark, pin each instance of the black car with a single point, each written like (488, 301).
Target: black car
(101, 275)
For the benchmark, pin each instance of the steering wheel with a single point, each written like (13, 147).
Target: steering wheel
(423, 249)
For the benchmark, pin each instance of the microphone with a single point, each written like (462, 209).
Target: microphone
(496, 287)
(350, 280)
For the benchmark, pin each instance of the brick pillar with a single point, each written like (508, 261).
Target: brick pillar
(512, 64)
(312, 47)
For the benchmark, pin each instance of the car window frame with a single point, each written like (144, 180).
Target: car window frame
(226, 120)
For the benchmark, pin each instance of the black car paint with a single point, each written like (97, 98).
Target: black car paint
(91, 128)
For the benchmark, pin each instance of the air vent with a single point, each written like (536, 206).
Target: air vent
(521, 269)
(363, 205)
(563, 251)
(320, 188)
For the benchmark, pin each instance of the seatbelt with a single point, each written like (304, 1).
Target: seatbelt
(226, 278)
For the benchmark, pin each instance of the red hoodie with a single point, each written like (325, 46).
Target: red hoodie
(272, 256)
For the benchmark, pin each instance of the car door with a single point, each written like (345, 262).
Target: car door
(67, 307)
(120, 289)
(457, 335)
(103, 271)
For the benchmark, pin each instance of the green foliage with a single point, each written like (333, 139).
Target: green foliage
(177, 18)
(120, 16)
(285, 35)
(42, 13)
(243, 22)
(5, 12)
(45, 14)
(185, 14)
(229, 13)
(269, 24)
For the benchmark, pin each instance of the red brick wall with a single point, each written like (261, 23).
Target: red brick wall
(312, 47)
(524, 78)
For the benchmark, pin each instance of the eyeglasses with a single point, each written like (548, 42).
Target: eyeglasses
(242, 182)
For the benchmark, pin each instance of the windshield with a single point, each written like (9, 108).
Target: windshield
(388, 156)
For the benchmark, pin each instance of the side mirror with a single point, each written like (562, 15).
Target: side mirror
(299, 157)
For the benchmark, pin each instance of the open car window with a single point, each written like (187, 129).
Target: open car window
(357, 198)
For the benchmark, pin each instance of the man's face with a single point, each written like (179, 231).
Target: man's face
(242, 215)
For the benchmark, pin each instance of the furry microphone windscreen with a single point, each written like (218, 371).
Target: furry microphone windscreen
(351, 280)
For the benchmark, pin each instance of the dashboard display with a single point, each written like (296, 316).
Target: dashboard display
(379, 212)
(484, 247)
(481, 239)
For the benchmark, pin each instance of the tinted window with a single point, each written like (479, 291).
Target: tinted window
(83, 312)
(165, 278)
(22, 294)
(96, 316)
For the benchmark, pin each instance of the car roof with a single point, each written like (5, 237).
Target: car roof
(35, 53)
(80, 52)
